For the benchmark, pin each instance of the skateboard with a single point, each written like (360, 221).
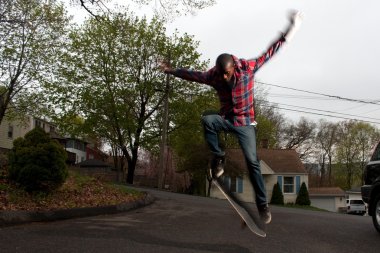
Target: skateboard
(249, 219)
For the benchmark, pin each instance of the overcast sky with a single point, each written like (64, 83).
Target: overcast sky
(335, 52)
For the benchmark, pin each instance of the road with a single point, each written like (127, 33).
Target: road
(183, 223)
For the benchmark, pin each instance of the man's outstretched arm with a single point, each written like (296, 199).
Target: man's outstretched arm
(186, 74)
(295, 22)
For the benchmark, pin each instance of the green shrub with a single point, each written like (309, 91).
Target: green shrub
(37, 163)
(277, 196)
(303, 196)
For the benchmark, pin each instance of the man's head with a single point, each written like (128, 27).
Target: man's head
(225, 66)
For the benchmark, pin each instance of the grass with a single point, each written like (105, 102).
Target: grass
(77, 191)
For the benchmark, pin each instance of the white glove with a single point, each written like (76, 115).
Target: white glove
(295, 23)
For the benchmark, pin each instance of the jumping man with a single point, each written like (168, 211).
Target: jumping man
(233, 80)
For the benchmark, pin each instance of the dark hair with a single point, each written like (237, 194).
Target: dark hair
(223, 60)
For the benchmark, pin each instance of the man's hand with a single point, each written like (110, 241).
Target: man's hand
(296, 19)
(165, 66)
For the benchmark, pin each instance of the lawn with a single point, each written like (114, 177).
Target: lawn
(77, 191)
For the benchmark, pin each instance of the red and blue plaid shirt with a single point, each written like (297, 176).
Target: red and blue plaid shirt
(237, 102)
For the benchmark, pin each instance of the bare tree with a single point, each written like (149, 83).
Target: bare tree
(299, 136)
(164, 8)
(326, 138)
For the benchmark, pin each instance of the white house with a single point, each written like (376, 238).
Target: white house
(78, 147)
(328, 198)
(11, 130)
(281, 166)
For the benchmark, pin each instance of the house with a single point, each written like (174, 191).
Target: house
(329, 198)
(11, 130)
(78, 147)
(354, 193)
(93, 152)
(281, 166)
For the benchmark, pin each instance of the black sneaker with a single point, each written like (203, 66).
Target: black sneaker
(217, 166)
(265, 214)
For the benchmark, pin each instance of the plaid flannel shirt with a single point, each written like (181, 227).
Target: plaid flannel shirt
(237, 102)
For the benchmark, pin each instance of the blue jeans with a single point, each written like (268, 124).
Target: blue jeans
(246, 135)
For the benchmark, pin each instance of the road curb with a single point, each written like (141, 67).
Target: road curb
(10, 218)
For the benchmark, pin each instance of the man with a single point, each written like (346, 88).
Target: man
(233, 79)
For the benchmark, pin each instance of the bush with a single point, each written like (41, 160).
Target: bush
(37, 163)
(3, 165)
(303, 196)
(277, 196)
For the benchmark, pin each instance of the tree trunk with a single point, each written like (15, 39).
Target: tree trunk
(323, 171)
(132, 161)
(330, 168)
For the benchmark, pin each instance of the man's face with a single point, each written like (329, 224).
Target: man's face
(227, 72)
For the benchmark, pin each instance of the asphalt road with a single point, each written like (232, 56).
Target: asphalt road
(183, 223)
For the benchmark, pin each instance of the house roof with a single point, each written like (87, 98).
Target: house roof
(326, 191)
(282, 160)
(279, 160)
(354, 190)
(93, 163)
(55, 135)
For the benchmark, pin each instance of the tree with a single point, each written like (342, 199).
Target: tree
(303, 196)
(367, 138)
(355, 141)
(37, 163)
(186, 138)
(269, 119)
(277, 196)
(5, 7)
(326, 138)
(163, 8)
(299, 136)
(30, 39)
(111, 78)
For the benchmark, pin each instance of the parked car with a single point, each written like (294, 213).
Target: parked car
(356, 206)
(371, 188)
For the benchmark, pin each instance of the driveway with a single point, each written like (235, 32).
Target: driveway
(183, 223)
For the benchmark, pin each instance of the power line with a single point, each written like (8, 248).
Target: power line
(298, 96)
(321, 94)
(321, 114)
(319, 110)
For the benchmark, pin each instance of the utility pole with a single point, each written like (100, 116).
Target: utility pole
(164, 137)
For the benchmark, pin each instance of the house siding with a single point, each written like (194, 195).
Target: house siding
(248, 195)
(298, 180)
(329, 203)
(19, 130)
(276, 164)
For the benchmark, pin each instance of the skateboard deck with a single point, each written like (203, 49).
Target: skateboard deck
(249, 219)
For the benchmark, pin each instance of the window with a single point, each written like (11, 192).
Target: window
(38, 123)
(288, 184)
(235, 184)
(10, 132)
(70, 144)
